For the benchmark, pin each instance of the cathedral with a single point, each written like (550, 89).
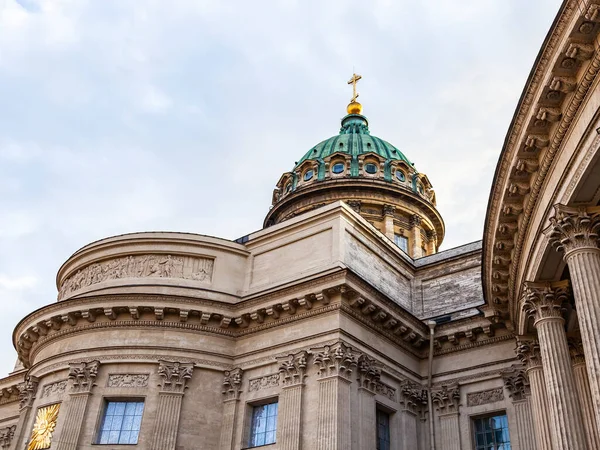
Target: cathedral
(340, 325)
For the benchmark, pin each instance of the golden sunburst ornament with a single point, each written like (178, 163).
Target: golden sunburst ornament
(45, 423)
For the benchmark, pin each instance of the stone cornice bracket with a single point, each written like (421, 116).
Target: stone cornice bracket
(82, 376)
(368, 372)
(447, 399)
(574, 228)
(545, 300)
(334, 360)
(232, 384)
(528, 352)
(27, 391)
(292, 368)
(576, 350)
(6, 435)
(516, 382)
(174, 375)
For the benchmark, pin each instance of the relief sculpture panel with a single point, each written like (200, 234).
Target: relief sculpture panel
(139, 266)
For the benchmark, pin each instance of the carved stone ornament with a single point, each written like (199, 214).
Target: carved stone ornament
(412, 396)
(368, 372)
(355, 205)
(528, 352)
(265, 382)
(139, 266)
(415, 220)
(293, 368)
(576, 350)
(544, 300)
(386, 390)
(174, 375)
(6, 436)
(516, 382)
(447, 399)
(83, 375)
(128, 380)
(574, 228)
(57, 388)
(484, 397)
(389, 210)
(232, 383)
(43, 428)
(335, 360)
(27, 391)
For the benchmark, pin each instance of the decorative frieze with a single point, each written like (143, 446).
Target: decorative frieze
(83, 375)
(386, 390)
(293, 368)
(232, 383)
(174, 375)
(27, 391)
(6, 436)
(516, 382)
(335, 360)
(9, 394)
(128, 380)
(139, 266)
(447, 398)
(264, 382)
(57, 388)
(484, 397)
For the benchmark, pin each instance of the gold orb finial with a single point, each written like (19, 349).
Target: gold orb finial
(354, 107)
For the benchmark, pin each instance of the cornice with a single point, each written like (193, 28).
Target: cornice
(543, 118)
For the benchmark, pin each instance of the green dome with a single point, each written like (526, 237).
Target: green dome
(355, 140)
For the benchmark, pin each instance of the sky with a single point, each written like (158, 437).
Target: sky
(119, 116)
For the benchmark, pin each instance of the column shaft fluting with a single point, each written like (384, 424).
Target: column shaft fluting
(333, 431)
(539, 408)
(449, 436)
(587, 405)
(167, 421)
(565, 413)
(290, 418)
(524, 424)
(228, 424)
(69, 436)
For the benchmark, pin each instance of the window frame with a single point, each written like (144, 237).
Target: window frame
(102, 414)
(340, 163)
(382, 410)
(398, 235)
(371, 163)
(488, 415)
(250, 407)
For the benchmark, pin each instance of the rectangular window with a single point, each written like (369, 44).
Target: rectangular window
(402, 242)
(264, 425)
(121, 422)
(491, 433)
(383, 430)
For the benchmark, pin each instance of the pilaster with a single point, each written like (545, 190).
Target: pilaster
(416, 241)
(368, 374)
(447, 402)
(82, 377)
(232, 387)
(335, 365)
(27, 392)
(412, 398)
(292, 371)
(517, 385)
(583, 390)
(174, 377)
(388, 220)
(575, 232)
(528, 351)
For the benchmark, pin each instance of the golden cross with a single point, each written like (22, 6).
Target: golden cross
(353, 82)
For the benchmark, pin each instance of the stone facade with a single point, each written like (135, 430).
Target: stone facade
(322, 313)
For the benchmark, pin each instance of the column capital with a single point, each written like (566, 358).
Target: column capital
(368, 372)
(292, 368)
(447, 399)
(389, 210)
(27, 391)
(174, 375)
(83, 375)
(232, 383)
(412, 396)
(415, 220)
(516, 382)
(574, 228)
(576, 350)
(528, 351)
(6, 435)
(355, 205)
(545, 300)
(335, 360)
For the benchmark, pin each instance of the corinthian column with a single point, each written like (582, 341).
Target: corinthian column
(528, 351)
(82, 376)
(575, 232)
(232, 386)
(416, 241)
(27, 393)
(368, 377)
(544, 303)
(335, 365)
(583, 390)
(517, 385)
(447, 403)
(174, 377)
(292, 371)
